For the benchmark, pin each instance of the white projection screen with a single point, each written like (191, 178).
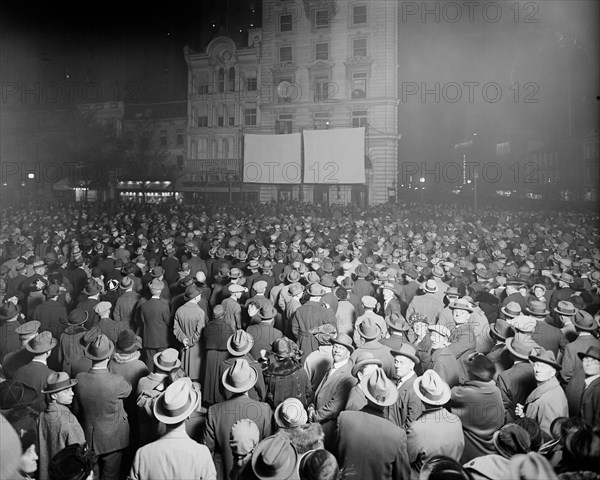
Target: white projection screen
(272, 158)
(334, 156)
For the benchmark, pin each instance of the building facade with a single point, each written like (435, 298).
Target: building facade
(312, 65)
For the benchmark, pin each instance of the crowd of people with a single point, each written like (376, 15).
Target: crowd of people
(289, 341)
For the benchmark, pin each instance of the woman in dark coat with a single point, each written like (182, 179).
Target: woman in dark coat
(216, 333)
(284, 375)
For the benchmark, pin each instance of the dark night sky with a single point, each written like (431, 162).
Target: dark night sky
(540, 57)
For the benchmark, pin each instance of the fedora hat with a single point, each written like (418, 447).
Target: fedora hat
(361, 271)
(101, 348)
(431, 389)
(28, 329)
(295, 288)
(519, 349)
(92, 288)
(177, 402)
(501, 329)
(592, 352)
(397, 322)
(452, 292)
(58, 381)
(512, 309)
(78, 316)
(545, 356)
(461, 304)
(565, 308)
(530, 465)
(267, 312)
(126, 282)
(283, 347)
(167, 360)
(128, 342)
(89, 336)
(274, 458)
(156, 285)
(16, 394)
(157, 271)
(328, 266)
(240, 343)
(537, 308)
(235, 273)
(381, 390)
(364, 358)
(315, 290)
(344, 340)
(240, 377)
(191, 292)
(368, 329)
(327, 281)
(9, 310)
(430, 286)
(522, 323)
(407, 350)
(584, 321)
(512, 440)
(41, 343)
(52, 290)
(290, 414)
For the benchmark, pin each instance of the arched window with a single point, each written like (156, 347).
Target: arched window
(231, 80)
(221, 76)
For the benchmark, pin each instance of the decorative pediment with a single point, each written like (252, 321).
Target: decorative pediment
(222, 51)
(358, 61)
(321, 65)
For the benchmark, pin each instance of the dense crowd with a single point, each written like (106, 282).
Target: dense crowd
(293, 341)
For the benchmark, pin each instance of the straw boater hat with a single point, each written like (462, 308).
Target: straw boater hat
(177, 402)
(57, 382)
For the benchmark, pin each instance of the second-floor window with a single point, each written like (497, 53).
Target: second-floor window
(359, 118)
(285, 54)
(359, 14)
(321, 19)
(322, 51)
(250, 116)
(359, 47)
(359, 85)
(284, 123)
(285, 23)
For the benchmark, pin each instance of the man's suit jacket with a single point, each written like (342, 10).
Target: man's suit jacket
(515, 385)
(370, 447)
(573, 371)
(220, 419)
(590, 403)
(549, 337)
(307, 318)
(124, 310)
(408, 408)
(264, 335)
(35, 375)
(52, 316)
(332, 393)
(100, 397)
(155, 318)
(174, 455)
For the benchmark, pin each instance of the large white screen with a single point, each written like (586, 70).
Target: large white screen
(334, 156)
(272, 158)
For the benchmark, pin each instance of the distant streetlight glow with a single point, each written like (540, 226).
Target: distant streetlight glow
(422, 179)
(30, 176)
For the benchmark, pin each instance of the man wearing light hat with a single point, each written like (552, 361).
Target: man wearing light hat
(100, 395)
(36, 372)
(175, 455)
(309, 318)
(369, 445)
(369, 304)
(237, 379)
(57, 426)
(15, 360)
(437, 431)
(427, 303)
(155, 321)
(564, 313)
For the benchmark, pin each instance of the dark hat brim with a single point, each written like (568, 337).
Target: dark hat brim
(41, 349)
(349, 347)
(98, 358)
(71, 383)
(582, 355)
(535, 358)
(12, 315)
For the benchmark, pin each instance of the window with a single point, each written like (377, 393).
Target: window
(285, 54)
(359, 14)
(359, 85)
(231, 80)
(203, 116)
(251, 83)
(359, 118)
(321, 19)
(359, 47)
(179, 162)
(285, 23)
(221, 116)
(322, 51)
(250, 116)
(163, 138)
(231, 121)
(221, 80)
(321, 120)
(321, 88)
(202, 83)
(179, 137)
(284, 123)
(203, 148)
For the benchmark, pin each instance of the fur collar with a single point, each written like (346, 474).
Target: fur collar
(125, 357)
(304, 438)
